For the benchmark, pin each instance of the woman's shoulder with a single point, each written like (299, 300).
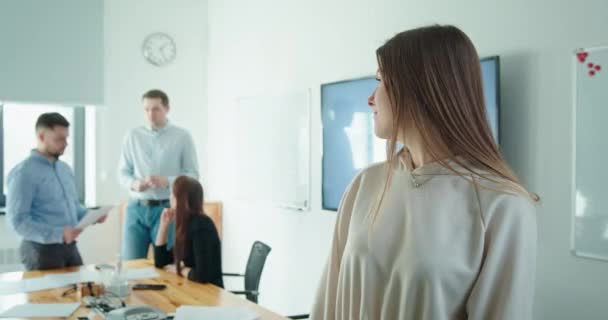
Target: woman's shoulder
(500, 198)
(373, 173)
(370, 178)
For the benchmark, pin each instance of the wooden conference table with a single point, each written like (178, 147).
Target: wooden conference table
(179, 291)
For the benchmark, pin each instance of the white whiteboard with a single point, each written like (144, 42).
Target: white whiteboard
(590, 191)
(274, 144)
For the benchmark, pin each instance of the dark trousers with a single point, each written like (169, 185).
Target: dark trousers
(38, 256)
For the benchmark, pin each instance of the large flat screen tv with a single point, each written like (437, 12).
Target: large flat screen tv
(349, 144)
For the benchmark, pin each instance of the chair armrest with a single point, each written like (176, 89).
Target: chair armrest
(233, 275)
(252, 292)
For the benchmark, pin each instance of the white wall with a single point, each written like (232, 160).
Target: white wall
(128, 76)
(269, 46)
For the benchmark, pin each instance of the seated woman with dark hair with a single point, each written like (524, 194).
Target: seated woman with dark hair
(197, 243)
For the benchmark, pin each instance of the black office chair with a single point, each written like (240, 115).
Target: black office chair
(253, 271)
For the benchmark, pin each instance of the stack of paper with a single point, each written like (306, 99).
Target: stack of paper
(214, 313)
(41, 310)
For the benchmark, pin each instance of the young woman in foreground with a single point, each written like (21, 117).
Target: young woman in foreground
(443, 229)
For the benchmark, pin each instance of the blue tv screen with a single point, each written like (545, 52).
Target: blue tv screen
(349, 143)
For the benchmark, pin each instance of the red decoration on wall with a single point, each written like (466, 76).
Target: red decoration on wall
(582, 56)
(593, 68)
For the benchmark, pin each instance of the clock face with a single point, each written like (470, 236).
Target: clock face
(159, 49)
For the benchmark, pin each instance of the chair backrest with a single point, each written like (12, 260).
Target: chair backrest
(255, 265)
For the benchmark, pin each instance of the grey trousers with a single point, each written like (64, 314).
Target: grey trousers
(38, 256)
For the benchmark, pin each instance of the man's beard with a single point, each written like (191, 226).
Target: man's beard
(56, 155)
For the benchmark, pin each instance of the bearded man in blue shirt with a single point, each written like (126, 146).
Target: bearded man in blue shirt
(42, 201)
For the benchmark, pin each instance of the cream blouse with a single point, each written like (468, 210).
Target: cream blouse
(440, 248)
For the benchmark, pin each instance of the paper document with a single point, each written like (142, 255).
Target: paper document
(140, 273)
(12, 287)
(60, 280)
(41, 310)
(215, 313)
(30, 285)
(80, 276)
(92, 216)
(51, 281)
(43, 283)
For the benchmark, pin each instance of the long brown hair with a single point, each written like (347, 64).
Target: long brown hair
(433, 80)
(189, 198)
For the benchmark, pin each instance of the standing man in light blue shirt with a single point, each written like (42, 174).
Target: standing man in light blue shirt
(153, 156)
(42, 201)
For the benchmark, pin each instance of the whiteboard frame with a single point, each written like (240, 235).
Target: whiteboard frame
(306, 206)
(573, 250)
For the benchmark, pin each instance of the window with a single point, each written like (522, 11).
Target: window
(17, 139)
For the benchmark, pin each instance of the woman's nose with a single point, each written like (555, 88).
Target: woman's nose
(370, 100)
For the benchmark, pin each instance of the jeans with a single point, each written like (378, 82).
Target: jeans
(141, 227)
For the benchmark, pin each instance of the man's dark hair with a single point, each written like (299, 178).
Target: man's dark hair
(51, 120)
(157, 94)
